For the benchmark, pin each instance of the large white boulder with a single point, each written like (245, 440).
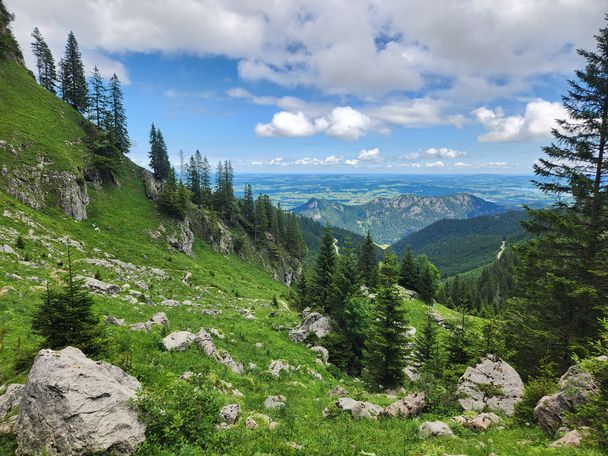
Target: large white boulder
(492, 384)
(434, 429)
(73, 405)
(313, 323)
(178, 340)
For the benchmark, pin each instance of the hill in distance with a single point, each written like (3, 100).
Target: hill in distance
(457, 246)
(390, 219)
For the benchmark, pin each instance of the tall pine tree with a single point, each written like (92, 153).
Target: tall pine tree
(45, 64)
(98, 100)
(117, 119)
(325, 265)
(368, 263)
(386, 345)
(73, 82)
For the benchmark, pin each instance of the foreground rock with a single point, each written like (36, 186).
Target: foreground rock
(97, 286)
(480, 422)
(9, 402)
(313, 323)
(434, 429)
(158, 319)
(576, 387)
(230, 413)
(492, 384)
(570, 439)
(73, 405)
(410, 405)
(359, 409)
(178, 340)
(204, 341)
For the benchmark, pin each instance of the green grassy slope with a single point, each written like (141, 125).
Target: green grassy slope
(117, 230)
(457, 246)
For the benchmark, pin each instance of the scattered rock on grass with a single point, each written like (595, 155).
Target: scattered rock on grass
(274, 402)
(178, 340)
(434, 429)
(277, 366)
(359, 409)
(230, 413)
(410, 405)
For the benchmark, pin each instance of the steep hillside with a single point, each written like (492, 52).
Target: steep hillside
(390, 219)
(457, 246)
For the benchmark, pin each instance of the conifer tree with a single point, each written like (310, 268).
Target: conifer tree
(293, 237)
(562, 280)
(47, 74)
(428, 350)
(408, 278)
(325, 265)
(73, 82)
(159, 158)
(117, 118)
(428, 280)
(346, 283)
(386, 345)
(280, 223)
(248, 210)
(194, 177)
(261, 218)
(98, 100)
(66, 317)
(368, 263)
(205, 173)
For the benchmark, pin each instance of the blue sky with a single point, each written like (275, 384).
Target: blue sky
(462, 86)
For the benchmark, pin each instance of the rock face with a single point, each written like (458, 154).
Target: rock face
(204, 341)
(73, 197)
(178, 340)
(576, 386)
(230, 413)
(434, 429)
(277, 366)
(73, 405)
(10, 400)
(410, 405)
(182, 238)
(313, 323)
(97, 286)
(151, 184)
(493, 384)
(359, 409)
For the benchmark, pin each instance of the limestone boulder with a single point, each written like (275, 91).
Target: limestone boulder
(575, 388)
(434, 429)
(277, 366)
(313, 323)
(410, 405)
(491, 384)
(205, 343)
(230, 413)
(359, 409)
(97, 286)
(72, 405)
(178, 340)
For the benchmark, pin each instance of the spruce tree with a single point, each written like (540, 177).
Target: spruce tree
(66, 317)
(428, 280)
(117, 118)
(45, 64)
(346, 283)
(325, 265)
(294, 240)
(73, 82)
(407, 275)
(205, 173)
(261, 219)
(98, 100)
(428, 350)
(368, 263)
(386, 345)
(248, 209)
(562, 280)
(194, 178)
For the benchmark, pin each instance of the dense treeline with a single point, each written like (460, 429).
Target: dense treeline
(100, 101)
(457, 246)
(264, 222)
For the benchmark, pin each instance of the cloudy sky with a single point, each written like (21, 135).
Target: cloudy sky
(400, 86)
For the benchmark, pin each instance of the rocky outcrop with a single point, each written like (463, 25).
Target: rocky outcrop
(492, 384)
(410, 405)
(276, 366)
(480, 422)
(322, 353)
(434, 429)
(152, 185)
(97, 286)
(182, 238)
(73, 405)
(178, 340)
(359, 409)
(158, 319)
(313, 323)
(575, 388)
(204, 341)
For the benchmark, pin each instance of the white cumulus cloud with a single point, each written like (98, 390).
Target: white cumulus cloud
(369, 155)
(537, 121)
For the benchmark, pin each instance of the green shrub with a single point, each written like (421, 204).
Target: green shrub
(20, 243)
(534, 391)
(181, 413)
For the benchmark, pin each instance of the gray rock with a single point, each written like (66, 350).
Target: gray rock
(178, 340)
(11, 399)
(204, 341)
(113, 321)
(7, 249)
(338, 391)
(151, 184)
(323, 354)
(575, 388)
(492, 384)
(12, 276)
(359, 409)
(434, 429)
(410, 405)
(170, 303)
(274, 402)
(73, 197)
(276, 366)
(570, 439)
(230, 413)
(141, 285)
(97, 286)
(313, 323)
(73, 405)
(480, 422)
(182, 238)
(158, 319)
